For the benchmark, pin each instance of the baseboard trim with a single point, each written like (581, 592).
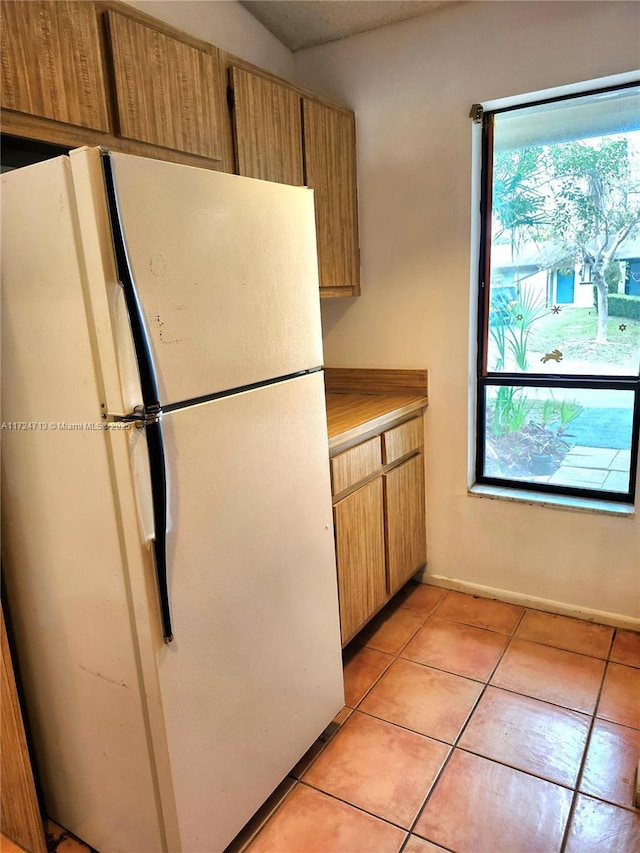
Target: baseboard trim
(603, 617)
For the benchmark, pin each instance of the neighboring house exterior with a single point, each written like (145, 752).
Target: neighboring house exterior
(572, 287)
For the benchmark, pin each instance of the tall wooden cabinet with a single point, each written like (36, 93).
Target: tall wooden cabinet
(282, 134)
(267, 128)
(330, 169)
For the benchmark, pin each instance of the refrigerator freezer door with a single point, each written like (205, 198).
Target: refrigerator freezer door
(254, 673)
(226, 271)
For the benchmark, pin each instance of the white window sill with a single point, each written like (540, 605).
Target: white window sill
(568, 502)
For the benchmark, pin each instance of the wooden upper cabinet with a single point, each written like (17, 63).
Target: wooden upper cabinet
(267, 128)
(52, 62)
(330, 169)
(167, 88)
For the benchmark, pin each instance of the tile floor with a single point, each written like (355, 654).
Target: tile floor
(470, 726)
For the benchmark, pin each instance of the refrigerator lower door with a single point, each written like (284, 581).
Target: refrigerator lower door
(254, 673)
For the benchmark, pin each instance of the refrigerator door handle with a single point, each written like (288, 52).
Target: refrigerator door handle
(157, 466)
(151, 415)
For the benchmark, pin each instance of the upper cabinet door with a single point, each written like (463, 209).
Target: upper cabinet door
(52, 62)
(167, 89)
(330, 170)
(267, 129)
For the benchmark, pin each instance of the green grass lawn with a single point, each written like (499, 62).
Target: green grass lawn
(573, 331)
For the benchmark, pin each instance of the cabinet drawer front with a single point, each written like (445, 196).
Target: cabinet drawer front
(402, 439)
(352, 466)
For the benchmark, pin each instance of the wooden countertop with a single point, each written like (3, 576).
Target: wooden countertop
(362, 402)
(353, 416)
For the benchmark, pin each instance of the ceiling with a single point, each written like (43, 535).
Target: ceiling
(303, 23)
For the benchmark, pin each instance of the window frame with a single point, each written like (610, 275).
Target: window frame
(486, 378)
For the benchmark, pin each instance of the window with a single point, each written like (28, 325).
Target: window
(558, 365)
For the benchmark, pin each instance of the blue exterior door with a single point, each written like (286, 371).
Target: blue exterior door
(632, 284)
(565, 283)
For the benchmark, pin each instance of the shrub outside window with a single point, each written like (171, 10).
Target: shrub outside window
(559, 300)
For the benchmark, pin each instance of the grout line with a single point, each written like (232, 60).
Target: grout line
(565, 785)
(576, 789)
(445, 763)
(545, 701)
(353, 806)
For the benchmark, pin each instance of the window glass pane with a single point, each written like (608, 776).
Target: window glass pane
(575, 437)
(565, 238)
(599, 114)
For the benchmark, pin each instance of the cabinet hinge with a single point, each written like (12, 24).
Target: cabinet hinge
(476, 113)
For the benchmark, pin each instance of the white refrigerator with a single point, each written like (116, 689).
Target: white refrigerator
(167, 528)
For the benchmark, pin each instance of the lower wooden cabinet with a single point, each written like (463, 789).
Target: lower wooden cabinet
(406, 534)
(360, 556)
(380, 522)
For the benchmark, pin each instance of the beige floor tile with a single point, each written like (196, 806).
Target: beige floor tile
(527, 734)
(362, 668)
(480, 612)
(312, 822)
(620, 699)
(479, 806)
(419, 845)
(391, 629)
(602, 828)
(552, 675)
(457, 648)
(421, 597)
(610, 767)
(563, 632)
(379, 767)
(426, 700)
(626, 648)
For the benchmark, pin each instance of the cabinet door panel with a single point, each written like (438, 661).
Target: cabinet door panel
(330, 170)
(406, 538)
(52, 63)
(20, 812)
(268, 129)
(360, 556)
(168, 90)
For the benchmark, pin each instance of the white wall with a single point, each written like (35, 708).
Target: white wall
(411, 85)
(226, 24)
